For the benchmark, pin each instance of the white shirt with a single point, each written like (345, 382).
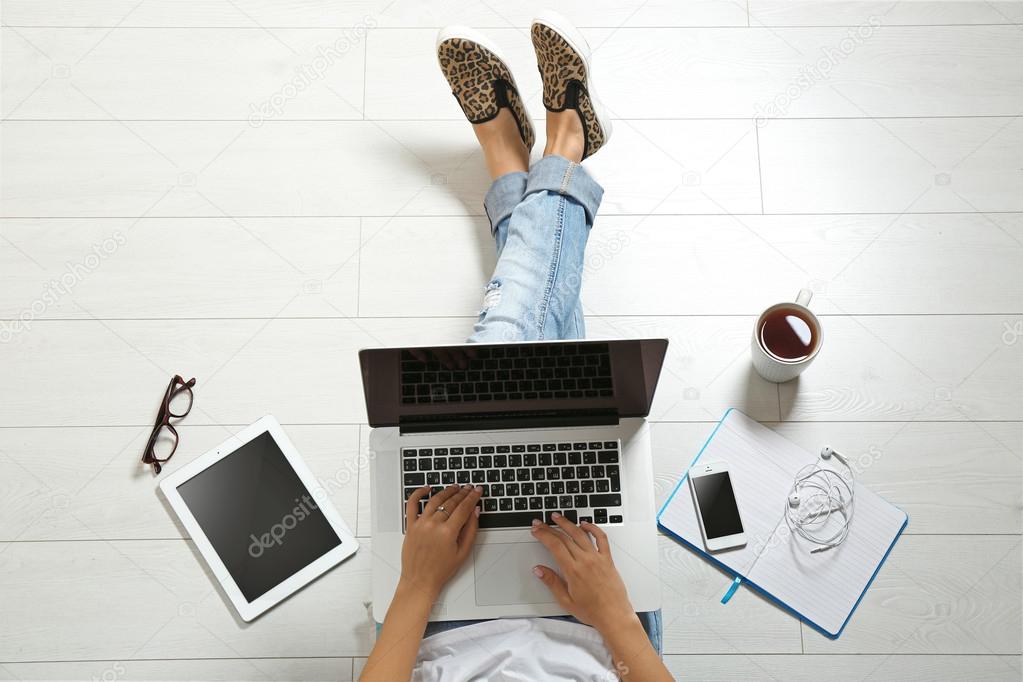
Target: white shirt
(520, 649)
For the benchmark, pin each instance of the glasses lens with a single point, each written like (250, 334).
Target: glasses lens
(166, 441)
(180, 402)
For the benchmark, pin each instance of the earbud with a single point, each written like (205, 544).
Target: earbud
(827, 452)
(793, 500)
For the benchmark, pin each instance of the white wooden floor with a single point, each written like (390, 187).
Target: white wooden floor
(155, 222)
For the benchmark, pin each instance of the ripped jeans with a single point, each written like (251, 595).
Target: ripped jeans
(540, 221)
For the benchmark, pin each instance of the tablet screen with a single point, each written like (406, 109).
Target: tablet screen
(261, 520)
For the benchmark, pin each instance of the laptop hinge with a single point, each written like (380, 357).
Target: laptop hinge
(489, 421)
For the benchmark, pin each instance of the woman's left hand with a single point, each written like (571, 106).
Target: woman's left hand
(438, 541)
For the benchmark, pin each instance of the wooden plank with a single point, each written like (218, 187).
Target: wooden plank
(209, 670)
(177, 73)
(385, 13)
(843, 668)
(88, 484)
(950, 478)
(712, 265)
(887, 372)
(153, 599)
(855, 12)
(893, 166)
(292, 168)
(869, 70)
(937, 594)
(870, 369)
(165, 268)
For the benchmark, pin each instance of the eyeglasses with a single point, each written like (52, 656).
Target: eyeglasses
(163, 441)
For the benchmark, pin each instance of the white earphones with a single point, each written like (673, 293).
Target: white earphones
(817, 493)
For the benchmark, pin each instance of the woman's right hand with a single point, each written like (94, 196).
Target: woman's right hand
(589, 586)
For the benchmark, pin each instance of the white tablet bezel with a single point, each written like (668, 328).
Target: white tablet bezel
(246, 609)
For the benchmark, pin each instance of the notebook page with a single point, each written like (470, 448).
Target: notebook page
(760, 479)
(825, 587)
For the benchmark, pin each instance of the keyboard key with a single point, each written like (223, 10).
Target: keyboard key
(549, 517)
(425, 464)
(519, 474)
(582, 472)
(575, 458)
(587, 486)
(514, 461)
(572, 487)
(610, 445)
(509, 519)
(609, 500)
(550, 502)
(469, 462)
(478, 476)
(548, 447)
(462, 476)
(433, 478)
(455, 463)
(435, 489)
(553, 473)
(415, 479)
(597, 471)
(504, 504)
(454, 451)
(409, 491)
(439, 452)
(546, 459)
(565, 501)
(493, 475)
(528, 488)
(512, 489)
(500, 461)
(504, 449)
(518, 448)
(589, 458)
(585, 519)
(557, 487)
(534, 502)
(603, 486)
(472, 450)
(485, 450)
(560, 459)
(537, 474)
(521, 504)
(615, 518)
(490, 504)
(596, 446)
(533, 447)
(440, 463)
(579, 501)
(409, 452)
(578, 446)
(497, 490)
(605, 457)
(408, 465)
(485, 461)
(567, 472)
(600, 516)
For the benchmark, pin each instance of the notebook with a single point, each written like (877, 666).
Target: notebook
(822, 589)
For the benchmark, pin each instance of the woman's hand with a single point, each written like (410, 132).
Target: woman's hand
(438, 542)
(589, 586)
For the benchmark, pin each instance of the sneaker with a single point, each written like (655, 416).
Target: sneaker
(563, 57)
(480, 79)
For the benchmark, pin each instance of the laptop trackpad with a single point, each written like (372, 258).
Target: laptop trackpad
(504, 574)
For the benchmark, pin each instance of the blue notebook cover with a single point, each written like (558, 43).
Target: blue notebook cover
(822, 590)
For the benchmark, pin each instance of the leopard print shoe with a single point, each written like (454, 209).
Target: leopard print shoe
(480, 79)
(563, 56)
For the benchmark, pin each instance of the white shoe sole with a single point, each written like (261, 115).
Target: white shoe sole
(577, 42)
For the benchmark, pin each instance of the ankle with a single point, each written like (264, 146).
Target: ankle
(565, 135)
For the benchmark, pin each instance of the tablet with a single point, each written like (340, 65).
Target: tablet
(259, 518)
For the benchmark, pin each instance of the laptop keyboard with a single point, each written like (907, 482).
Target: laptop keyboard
(523, 372)
(525, 481)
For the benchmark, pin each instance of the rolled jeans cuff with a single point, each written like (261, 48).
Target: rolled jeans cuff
(504, 195)
(558, 175)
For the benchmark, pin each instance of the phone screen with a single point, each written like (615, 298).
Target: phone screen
(717, 505)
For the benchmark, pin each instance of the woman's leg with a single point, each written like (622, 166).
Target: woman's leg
(534, 292)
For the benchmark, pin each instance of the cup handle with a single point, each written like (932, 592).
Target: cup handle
(803, 298)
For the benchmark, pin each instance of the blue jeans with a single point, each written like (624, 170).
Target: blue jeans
(540, 221)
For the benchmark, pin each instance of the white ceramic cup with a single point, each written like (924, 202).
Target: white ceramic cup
(778, 369)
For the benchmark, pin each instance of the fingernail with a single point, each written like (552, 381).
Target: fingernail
(536, 523)
(555, 515)
(479, 489)
(477, 511)
(537, 571)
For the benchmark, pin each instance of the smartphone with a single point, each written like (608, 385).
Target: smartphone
(714, 497)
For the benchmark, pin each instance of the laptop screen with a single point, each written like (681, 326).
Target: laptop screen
(406, 385)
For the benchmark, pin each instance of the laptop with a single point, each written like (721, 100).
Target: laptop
(544, 427)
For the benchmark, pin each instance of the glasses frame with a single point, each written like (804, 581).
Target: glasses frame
(176, 387)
